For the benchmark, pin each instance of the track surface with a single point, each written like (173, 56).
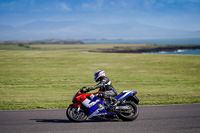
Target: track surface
(152, 119)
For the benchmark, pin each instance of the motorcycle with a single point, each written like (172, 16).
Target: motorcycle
(90, 106)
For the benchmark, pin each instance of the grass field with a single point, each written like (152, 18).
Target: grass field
(49, 76)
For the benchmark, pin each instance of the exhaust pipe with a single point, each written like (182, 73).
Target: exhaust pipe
(122, 108)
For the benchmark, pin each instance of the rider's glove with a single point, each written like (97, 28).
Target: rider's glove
(89, 89)
(101, 95)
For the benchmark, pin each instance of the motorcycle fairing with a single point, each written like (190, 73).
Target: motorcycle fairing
(125, 94)
(95, 111)
(92, 106)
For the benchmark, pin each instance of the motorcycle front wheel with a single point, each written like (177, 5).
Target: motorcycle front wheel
(74, 115)
(130, 114)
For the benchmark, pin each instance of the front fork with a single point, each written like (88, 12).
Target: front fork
(81, 107)
(78, 109)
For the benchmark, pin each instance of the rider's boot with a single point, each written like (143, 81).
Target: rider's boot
(114, 102)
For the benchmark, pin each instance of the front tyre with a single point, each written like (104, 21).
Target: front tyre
(130, 114)
(74, 115)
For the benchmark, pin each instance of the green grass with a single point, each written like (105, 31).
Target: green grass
(40, 79)
(12, 47)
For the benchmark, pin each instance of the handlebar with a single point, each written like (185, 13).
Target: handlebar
(82, 89)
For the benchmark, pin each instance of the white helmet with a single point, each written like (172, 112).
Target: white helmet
(98, 74)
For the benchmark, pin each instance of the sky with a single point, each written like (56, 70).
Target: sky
(98, 19)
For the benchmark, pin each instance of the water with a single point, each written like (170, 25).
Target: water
(189, 52)
(158, 41)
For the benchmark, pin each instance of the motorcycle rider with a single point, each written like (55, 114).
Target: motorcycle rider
(105, 85)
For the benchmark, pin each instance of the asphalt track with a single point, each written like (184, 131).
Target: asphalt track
(184, 118)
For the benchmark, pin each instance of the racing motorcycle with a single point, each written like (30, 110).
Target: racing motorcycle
(90, 106)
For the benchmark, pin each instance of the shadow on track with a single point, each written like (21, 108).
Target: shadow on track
(68, 121)
(52, 120)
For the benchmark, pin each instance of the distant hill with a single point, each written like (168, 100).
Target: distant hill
(46, 41)
(81, 29)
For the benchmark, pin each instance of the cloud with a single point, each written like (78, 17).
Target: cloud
(100, 3)
(194, 0)
(64, 6)
(123, 3)
(8, 5)
(170, 1)
(149, 3)
(93, 6)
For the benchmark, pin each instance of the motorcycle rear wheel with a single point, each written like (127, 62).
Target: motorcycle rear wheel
(75, 116)
(131, 114)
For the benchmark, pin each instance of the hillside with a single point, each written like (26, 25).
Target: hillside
(45, 41)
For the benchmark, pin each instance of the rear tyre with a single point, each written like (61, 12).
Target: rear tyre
(74, 115)
(131, 114)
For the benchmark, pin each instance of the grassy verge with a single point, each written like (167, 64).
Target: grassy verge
(49, 79)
